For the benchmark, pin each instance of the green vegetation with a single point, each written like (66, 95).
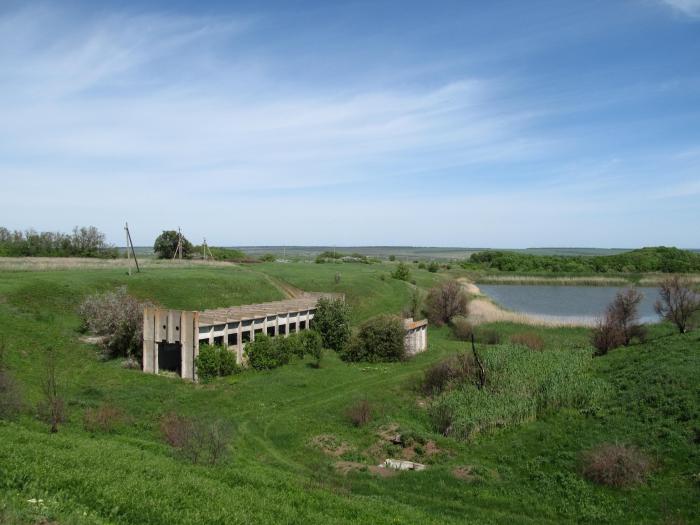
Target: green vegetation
(521, 385)
(167, 243)
(332, 322)
(215, 361)
(83, 242)
(223, 254)
(402, 272)
(658, 259)
(379, 339)
(283, 436)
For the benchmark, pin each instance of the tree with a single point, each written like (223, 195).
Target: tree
(402, 272)
(51, 408)
(678, 302)
(166, 245)
(332, 321)
(624, 312)
(413, 310)
(445, 301)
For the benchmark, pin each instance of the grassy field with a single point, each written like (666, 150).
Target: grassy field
(276, 473)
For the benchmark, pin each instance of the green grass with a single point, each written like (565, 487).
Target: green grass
(274, 475)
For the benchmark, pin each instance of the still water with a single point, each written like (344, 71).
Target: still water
(576, 302)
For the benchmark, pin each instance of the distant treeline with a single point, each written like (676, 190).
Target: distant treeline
(656, 259)
(83, 242)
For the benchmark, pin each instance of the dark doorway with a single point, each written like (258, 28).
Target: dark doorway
(170, 357)
(270, 331)
(232, 339)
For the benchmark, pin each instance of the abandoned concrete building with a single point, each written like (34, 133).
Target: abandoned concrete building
(171, 338)
(416, 338)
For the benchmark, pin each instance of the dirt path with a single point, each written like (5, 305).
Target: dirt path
(484, 310)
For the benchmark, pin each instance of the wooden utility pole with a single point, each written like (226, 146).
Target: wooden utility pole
(130, 246)
(178, 249)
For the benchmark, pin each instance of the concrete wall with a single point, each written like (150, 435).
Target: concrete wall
(171, 326)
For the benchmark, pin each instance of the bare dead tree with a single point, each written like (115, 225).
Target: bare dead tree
(482, 371)
(624, 312)
(678, 302)
(446, 301)
(51, 409)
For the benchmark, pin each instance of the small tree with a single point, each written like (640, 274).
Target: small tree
(392, 258)
(332, 321)
(678, 302)
(402, 272)
(51, 408)
(166, 245)
(415, 304)
(380, 338)
(624, 311)
(445, 301)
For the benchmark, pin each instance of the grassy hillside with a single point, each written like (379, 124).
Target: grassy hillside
(277, 473)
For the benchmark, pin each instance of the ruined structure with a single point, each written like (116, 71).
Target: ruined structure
(416, 338)
(171, 338)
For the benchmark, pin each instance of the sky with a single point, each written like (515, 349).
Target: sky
(447, 123)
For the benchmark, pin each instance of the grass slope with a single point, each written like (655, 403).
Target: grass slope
(527, 474)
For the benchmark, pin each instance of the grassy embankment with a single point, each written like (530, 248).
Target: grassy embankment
(523, 473)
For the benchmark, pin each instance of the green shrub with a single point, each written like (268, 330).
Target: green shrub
(312, 344)
(402, 272)
(214, 361)
(392, 258)
(421, 266)
(266, 353)
(521, 385)
(332, 321)
(380, 338)
(462, 329)
(455, 370)
(433, 267)
(268, 257)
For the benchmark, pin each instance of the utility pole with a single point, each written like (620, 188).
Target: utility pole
(130, 245)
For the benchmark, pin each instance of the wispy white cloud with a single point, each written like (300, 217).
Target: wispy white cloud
(687, 7)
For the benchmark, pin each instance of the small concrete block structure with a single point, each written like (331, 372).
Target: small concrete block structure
(400, 464)
(416, 338)
(170, 341)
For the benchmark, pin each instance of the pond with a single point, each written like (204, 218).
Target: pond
(584, 303)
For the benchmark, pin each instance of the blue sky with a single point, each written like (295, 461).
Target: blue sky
(503, 124)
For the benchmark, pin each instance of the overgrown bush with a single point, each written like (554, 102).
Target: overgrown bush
(332, 321)
(290, 345)
(196, 440)
(415, 304)
(446, 301)
(10, 396)
(263, 353)
(455, 370)
(380, 338)
(215, 361)
(532, 340)
(462, 329)
(615, 465)
(402, 272)
(619, 325)
(312, 343)
(104, 418)
(433, 267)
(678, 302)
(488, 336)
(118, 317)
(521, 386)
(360, 413)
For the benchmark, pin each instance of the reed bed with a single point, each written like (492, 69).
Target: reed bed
(541, 280)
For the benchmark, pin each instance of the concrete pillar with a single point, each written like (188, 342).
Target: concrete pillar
(211, 335)
(187, 340)
(239, 349)
(148, 340)
(226, 335)
(277, 325)
(296, 327)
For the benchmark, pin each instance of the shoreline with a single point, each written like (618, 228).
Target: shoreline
(482, 309)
